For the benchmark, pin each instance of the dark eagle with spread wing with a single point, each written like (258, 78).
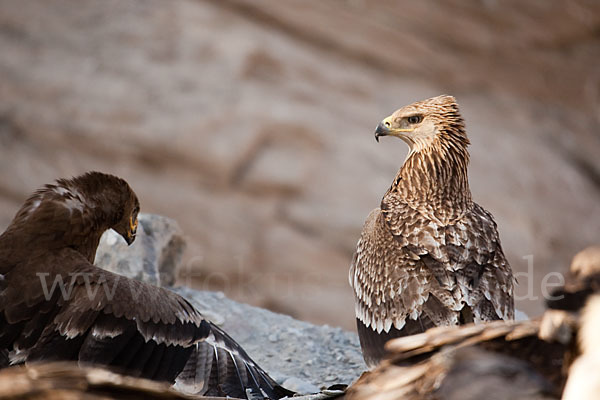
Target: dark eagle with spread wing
(56, 305)
(429, 255)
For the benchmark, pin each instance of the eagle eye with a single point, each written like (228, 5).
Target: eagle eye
(414, 119)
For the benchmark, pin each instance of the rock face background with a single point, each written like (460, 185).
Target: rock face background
(251, 124)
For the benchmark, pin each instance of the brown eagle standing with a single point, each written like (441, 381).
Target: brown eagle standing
(429, 255)
(56, 305)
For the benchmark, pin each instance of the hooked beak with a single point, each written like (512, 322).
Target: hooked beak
(381, 130)
(131, 232)
(385, 129)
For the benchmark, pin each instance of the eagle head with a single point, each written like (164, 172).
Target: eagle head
(112, 201)
(127, 224)
(423, 123)
(71, 213)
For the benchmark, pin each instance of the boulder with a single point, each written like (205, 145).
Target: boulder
(297, 354)
(154, 257)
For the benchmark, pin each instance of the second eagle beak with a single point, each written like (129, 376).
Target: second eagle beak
(131, 231)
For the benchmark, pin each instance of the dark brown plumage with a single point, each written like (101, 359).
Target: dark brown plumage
(56, 305)
(429, 255)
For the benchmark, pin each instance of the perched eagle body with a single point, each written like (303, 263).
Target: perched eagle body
(56, 305)
(429, 255)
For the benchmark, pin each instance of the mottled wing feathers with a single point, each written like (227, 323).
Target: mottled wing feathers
(408, 267)
(390, 285)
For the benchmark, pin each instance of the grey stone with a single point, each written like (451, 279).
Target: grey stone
(303, 352)
(299, 386)
(154, 257)
(520, 316)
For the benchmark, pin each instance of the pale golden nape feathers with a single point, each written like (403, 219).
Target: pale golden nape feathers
(433, 179)
(429, 255)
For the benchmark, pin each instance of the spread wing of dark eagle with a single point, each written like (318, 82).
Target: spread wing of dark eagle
(56, 305)
(428, 256)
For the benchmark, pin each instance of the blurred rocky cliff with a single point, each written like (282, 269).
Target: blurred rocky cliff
(251, 124)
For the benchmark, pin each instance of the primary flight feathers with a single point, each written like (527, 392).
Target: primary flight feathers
(56, 305)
